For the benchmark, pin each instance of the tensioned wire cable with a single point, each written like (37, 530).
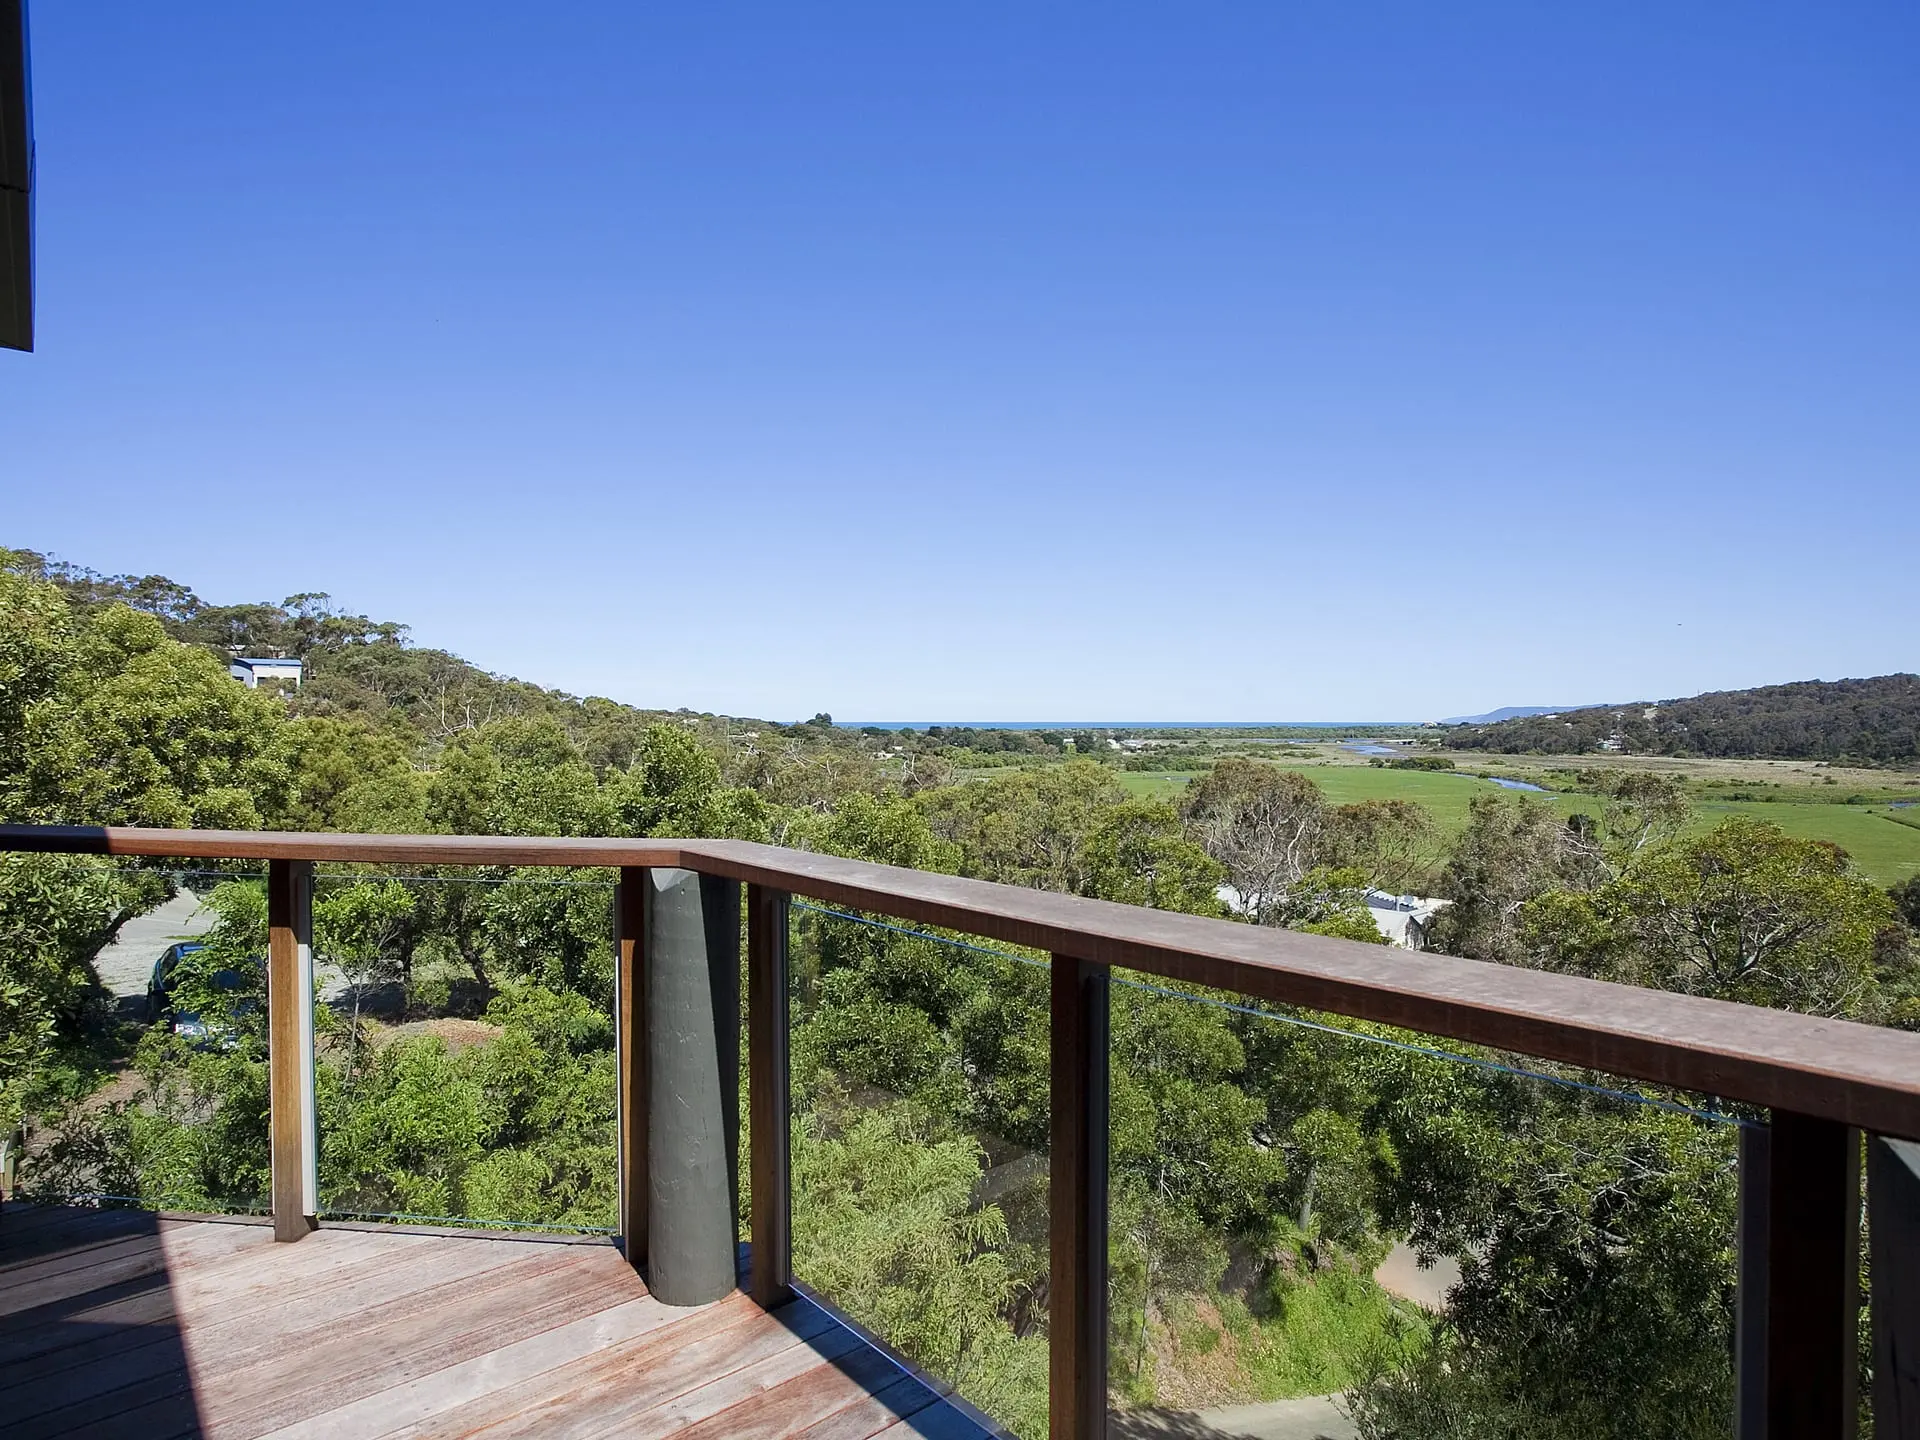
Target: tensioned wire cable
(139, 1202)
(465, 1220)
(1632, 1097)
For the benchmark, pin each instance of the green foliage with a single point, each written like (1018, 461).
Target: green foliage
(225, 983)
(1316, 1335)
(883, 1222)
(36, 650)
(1185, 1128)
(360, 928)
(1596, 1295)
(192, 1137)
(1328, 901)
(1140, 854)
(672, 786)
(402, 1136)
(516, 777)
(1513, 850)
(1906, 901)
(968, 1040)
(55, 911)
(1026, 827)
(106, 721)
(518, 1129)
(1743, 912)
(883, 829)
(1391, 842)
(338, 768)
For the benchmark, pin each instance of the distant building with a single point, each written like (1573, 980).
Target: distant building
(1404, 919)
(250, 670)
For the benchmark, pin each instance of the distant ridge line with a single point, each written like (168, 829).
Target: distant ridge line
(1520, 712)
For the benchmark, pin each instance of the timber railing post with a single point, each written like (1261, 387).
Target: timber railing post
(630, 1057)
(769, 1103)
(1750, 1311)
(294, 1140)
(1077, 1307)
(1813, 1279)
(1893, 1213)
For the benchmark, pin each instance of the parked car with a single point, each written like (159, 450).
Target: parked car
(195, 1025)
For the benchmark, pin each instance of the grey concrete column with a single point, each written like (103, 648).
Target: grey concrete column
(693, 1092)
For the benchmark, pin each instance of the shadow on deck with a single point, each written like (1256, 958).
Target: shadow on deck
(125, 1323)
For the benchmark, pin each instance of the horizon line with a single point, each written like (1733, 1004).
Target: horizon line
(1125, 724)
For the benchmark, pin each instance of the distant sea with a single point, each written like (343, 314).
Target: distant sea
(1117, 724)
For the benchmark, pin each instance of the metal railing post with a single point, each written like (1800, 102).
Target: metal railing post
(1077, 1315)
(1813, 1279)
(293, 1128)
(693, 1085)
(768, 1098)
(630, 1058)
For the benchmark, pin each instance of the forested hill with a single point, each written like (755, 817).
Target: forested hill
(1875, 721)
(355, 666)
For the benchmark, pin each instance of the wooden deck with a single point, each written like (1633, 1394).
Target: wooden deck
(122, 1323)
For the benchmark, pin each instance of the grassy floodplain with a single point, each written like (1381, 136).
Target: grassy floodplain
(1854, 811)
(1445, 795)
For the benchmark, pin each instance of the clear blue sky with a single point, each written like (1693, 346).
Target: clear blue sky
(1207, 361)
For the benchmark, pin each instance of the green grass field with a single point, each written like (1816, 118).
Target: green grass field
(1885, 850)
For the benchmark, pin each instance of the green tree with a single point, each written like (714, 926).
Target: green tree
(1639, 809)
(1594, 1240)
(1139, 854)
(1392, 842)
(106, 721)
(1328, 901)
(1743, 912)
(360, 928)
(37, 648)
(1514, 849)
(55, 911)
(886, 830)
(884, 1224)
(673, 788)
(335, 765)
(1906, 901)
(1028, 827)
(1265, 825)
(516, 777)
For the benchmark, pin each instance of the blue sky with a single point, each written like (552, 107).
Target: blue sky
(1009, 361)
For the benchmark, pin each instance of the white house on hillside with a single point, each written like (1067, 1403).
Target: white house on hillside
(250, 670)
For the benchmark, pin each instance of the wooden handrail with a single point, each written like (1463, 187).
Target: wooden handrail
(1859, 1075)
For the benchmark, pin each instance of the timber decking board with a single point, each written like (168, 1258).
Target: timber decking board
(121, 1323)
